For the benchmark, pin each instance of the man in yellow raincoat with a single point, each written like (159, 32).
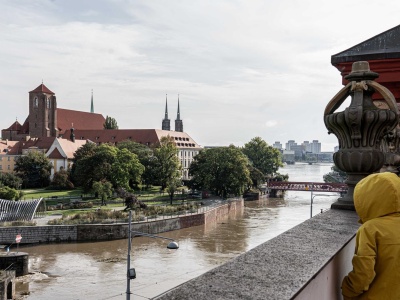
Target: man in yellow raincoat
(376, 262)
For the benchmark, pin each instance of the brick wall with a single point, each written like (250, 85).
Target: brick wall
(96, 232)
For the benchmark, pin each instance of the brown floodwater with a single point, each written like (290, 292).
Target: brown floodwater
(98, 270)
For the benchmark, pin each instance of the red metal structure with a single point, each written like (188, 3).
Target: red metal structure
(307, 186)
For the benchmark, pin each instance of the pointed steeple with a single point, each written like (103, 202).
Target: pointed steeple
(166, 107)
(91, 104)
(178, 117)
(178, 121)
(166, 125)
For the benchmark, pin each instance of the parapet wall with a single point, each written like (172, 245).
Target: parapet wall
(308, 261)
(96, 232)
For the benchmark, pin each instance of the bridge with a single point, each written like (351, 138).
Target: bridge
(307, 186)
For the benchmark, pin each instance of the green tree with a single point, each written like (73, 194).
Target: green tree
(262, 156)
(106, 162)
(34, 169)
(145, 156)
(61, 180)
(93, 166)
(257, 177)
(11, 180)
(172, 187)
(110, 123)
(222, 170)
(84, 152)
(102, 189)
(125, 169)
(139, 149)
(8, 193)
(165, 163)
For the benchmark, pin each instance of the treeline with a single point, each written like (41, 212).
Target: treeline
(105, 168)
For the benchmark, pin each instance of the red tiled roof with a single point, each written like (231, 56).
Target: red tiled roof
(142, 136)
(42, 89)
(7, 146)
(79, 120)
(70, 147)
(40, 143)
(55, 154)
(15, 126)
(67, 146)
(25, 127)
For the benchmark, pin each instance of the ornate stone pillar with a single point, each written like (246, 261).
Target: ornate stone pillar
(360, 127)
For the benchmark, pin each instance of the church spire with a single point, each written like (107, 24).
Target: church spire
(91, 104)
(166, 107)
(178, 121)
(178, 117)
(166, 125)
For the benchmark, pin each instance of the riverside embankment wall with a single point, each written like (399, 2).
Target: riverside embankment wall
(97, 232)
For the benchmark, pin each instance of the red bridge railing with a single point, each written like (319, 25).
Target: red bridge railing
(307, 186)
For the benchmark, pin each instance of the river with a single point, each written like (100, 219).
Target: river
(98, 270)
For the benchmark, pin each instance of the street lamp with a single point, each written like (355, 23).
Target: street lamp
(315, 195)
(131, 273)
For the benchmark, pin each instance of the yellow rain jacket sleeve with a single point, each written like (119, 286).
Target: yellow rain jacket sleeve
(376, 262)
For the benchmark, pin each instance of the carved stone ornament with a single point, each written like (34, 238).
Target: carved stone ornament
(360, 127)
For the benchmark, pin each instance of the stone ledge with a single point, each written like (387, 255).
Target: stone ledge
(279, 268)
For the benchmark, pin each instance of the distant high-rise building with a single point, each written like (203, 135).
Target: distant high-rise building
(315, 147)
(307, 146)
(277, 145)
(289, 144)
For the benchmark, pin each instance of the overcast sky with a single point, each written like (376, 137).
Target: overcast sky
(242, 68)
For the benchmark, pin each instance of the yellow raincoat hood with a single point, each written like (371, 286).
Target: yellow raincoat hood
(376, 261)
(377, 195)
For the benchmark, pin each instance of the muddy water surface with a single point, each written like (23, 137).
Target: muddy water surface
(98, 270)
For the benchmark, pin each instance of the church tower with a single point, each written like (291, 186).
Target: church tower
(166, 123)
(42, 112)
(178, 121)
(91, 104)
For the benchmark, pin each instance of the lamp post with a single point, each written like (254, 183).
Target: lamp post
(130, 272)
(316, 195)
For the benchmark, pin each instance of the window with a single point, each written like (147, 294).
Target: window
(8, 158)
(8, 167)
(1, 167)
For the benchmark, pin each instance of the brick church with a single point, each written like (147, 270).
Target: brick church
(45, 119)
(59, 132)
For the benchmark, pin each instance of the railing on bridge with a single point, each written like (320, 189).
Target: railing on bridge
(307, 186)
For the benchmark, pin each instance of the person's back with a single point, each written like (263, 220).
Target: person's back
(376, 262)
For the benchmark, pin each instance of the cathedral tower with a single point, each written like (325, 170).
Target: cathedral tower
(91, 104)
(42, 112)
(166, 123)
(178, 121)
